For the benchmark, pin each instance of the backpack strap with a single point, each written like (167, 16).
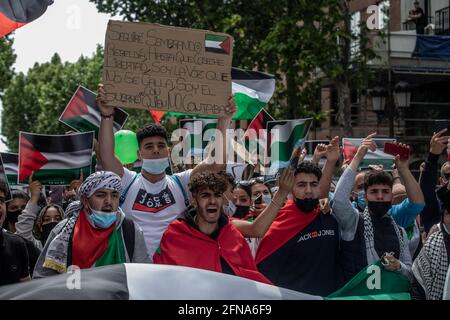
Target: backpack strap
(123, 196)
(128, 232)
(180, 185)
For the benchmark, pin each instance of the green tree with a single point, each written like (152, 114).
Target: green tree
(7, 59)
(33, 102)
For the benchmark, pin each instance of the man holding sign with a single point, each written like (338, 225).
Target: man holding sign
(153, 199)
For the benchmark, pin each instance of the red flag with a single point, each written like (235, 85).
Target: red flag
(289, 222)
(157, 115)
(257, 124)
(17, 13)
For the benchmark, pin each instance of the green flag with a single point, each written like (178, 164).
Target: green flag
(252, 90)
(199, 132)
(374, 283)
(282, 138)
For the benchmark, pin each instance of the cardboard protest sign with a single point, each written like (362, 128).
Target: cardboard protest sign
(83, 115)
(163, 68)
(55, 159)
(372, 158)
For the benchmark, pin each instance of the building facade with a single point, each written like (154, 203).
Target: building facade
(411, 87)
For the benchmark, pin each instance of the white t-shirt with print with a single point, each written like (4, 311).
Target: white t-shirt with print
(154, 205)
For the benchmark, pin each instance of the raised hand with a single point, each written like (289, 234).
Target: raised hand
(105, 110)
(75, 184)
(299, 154)
(399, 163)
(333, 150)
(367, 144)
(35, 189)
(286, 181)
(439, 142)
(230, 108)
(319, 152)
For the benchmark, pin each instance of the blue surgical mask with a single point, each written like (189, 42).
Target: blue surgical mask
(267, 198)
(361, 200)
(229, 209)
(101, 219)
(155, 166)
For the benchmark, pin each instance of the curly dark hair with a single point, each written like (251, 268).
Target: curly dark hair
(207, 180)
(377, 177)
(152, 130)
(309, 168)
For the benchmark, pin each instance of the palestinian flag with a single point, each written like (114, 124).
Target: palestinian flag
(378, 157)
(255, 137)
(83, 115)
(55, 159)
(374, 283)
(131, 281)
(17, 13)
(11, 165)
(157, 115)
(252, 90)
(5, 180)
(217, 43)
(197, 133)
(283, 137)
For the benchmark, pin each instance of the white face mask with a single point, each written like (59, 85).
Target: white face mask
(155, 166)
(102, 219)
(229, 209)
(267, 198)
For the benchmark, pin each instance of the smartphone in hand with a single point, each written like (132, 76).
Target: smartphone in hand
(395, 149)
(440, 125)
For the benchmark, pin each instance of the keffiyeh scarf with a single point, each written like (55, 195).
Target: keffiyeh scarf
(57, 253)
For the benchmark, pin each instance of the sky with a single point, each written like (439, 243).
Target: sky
(69, 27)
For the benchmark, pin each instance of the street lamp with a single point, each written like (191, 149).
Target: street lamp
(402, 94)
(379, 95)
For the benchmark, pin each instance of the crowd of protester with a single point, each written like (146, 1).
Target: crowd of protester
(299, 232)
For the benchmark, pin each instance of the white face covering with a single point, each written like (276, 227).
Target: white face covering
(155, 166)
(229, 209)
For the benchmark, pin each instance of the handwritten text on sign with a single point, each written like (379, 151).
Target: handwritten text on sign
(167, 68)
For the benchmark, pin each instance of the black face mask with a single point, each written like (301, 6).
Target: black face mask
(241, 211)
(379, 208)
(13, 216)
(46, 229)
(307, 205)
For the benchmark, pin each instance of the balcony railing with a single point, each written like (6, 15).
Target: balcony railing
(442, 26)
(410, 25)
